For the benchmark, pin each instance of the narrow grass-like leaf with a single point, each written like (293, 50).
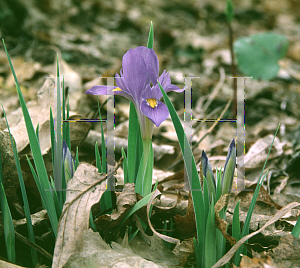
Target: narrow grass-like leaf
(135, 147)
(106, 199)
(245, 230)
(66, 123)
(296, 229)
(210, 239)
(76, 159)
(125, 167)
(198, 254)
(191, 172)
(37, 132)
(63, 111)
(236, 231)
(208, 174)
(103, 144)
(219, 183)
(1, 174)
(9, 230)
(220, 244)
(1, 178)
(229, 169)
(220, 240)
(229, 11)
(151, 37)
(36, 152)
(55, 197)
(7, 219)
(132, 235)
(206, 199)
(143, 182)
(52, 135)
(68, 139)
(98, 160)
(57, 172)
(24, 194)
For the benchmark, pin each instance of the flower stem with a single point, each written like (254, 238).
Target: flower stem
(147, 168)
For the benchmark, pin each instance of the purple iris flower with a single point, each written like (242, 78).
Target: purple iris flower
(138, 83)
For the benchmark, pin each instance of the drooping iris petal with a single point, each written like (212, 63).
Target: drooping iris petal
(175, 88)
(158, 114)
(102, 90)
(135, 73)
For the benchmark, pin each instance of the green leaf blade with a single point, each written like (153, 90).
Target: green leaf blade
(210, 238)
(257, 55)
(36, 152)
(151, 37)
(192, 172)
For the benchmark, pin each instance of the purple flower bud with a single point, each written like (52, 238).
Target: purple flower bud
(208, 174)
(229, 169)
(68, 162)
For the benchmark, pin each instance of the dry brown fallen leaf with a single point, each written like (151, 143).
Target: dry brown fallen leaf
(84, 190)
(235, 247)
(256, 262)
(257, 154)
(40, 114)
(4, 264)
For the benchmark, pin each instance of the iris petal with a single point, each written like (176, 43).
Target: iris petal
(135, 73)
(152, 66)
(165, 80)
(143, 51)
(147, 92)
(174, 88)
(102, 90)
(157, 114)
(120, 82)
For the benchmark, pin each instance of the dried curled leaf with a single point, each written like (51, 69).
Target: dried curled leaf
(232, 251)
(83, 191)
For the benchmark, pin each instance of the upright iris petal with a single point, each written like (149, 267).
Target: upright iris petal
(140, 67)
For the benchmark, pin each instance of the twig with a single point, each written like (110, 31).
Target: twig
(233, 69)
(28, 242)
(216, 90)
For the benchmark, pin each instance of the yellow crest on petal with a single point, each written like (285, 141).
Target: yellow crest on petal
(117, 89)
(152, 102)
